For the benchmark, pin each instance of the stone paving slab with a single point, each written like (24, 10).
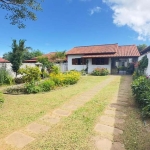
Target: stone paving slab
(111, 121)
(107, 129)
(115, 113)
(106, 144)
(18, 139)
(103, 144)
(50, 119)
(69, 107)
(37, 128)
(61, 112)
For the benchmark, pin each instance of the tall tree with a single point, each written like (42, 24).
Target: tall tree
(27, 54)
(141, 47)
(20, 10)
(17, 54)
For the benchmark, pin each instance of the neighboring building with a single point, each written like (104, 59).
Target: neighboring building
(6, 64)
(144, 52)
(62, 63)
(108, 56)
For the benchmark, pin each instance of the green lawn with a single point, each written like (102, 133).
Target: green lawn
(75, 131)
(19, 110)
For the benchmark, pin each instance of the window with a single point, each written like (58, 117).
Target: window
(78, 61)
(100, 61)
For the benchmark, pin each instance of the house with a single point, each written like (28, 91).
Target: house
(144, 52)
(110, 56)
(61, 62)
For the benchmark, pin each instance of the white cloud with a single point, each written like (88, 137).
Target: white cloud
(95, 10)
(133, 13)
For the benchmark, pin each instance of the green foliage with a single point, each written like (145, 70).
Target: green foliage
(30, 74)
(68, 78)
(47, 85)
(32, 87)
(141, 90)
(5, 78)
(17, 55)
(1, 98)
(46, 63)
(27, 54)
(20, 10)
(55, 69)
(143, 63)
(122, 68)
(141, 47)
(100, 72)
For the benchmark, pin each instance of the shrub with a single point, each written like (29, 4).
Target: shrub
(47, 85)
(61, 79)
(55, 69)
(32, 87)
(5, 78)
(141, 91)
(100, 72)
(30, 73)
(19, 80)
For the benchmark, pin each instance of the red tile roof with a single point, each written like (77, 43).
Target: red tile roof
(94, 49)
(110, 50)
(3, 60)
(50, 56)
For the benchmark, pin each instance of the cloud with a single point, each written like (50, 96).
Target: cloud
(95, 10)
(133, 13)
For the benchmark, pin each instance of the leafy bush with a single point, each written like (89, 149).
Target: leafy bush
(5, 78)
(67, 78)
(30, 73)
(19, 80)
(32, 87)
(1, 98)
(100, 72)
(141, 91)
(55, 69)
(47, 85)
(143, 63)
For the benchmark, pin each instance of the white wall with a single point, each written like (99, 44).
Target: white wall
(147, 71)
(90, 66)
(8, 67)
(77, 67)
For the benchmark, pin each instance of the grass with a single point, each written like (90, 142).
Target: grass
(135, 134)
(75, 131)
(19, 110)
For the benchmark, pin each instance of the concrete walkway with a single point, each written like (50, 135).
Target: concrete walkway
(19, 139)
(109, 128)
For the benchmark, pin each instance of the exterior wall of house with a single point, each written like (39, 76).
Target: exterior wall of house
(77, 67)
(147, 71)
(90, 66)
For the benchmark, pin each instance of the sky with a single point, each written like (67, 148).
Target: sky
(64, 24)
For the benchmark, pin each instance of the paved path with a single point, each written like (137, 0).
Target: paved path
(19, 139)
(110, 124)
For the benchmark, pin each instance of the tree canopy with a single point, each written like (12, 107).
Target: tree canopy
(17, 54)
(141, 47)
(20, 10)
(27, 54)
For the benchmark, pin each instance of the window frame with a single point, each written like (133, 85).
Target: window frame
(100, 61)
